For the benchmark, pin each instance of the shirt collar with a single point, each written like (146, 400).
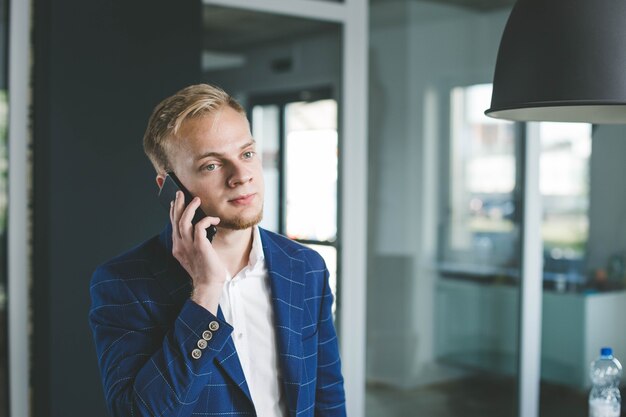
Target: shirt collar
(256, 253)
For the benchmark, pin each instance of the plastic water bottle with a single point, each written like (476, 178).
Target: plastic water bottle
(606, 373)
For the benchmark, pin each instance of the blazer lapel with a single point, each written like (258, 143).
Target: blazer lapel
(286, 273)
(228, 360)
(176, 281)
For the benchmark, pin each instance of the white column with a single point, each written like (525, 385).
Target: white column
(531, 279)
(354, 204)
(19, 185)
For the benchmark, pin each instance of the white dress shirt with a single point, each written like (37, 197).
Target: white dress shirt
(246, 305)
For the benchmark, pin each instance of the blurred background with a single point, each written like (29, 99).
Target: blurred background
(444, 196)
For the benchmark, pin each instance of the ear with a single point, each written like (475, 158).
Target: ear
(160, 179)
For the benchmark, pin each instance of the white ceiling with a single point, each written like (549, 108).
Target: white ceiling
(233, 30)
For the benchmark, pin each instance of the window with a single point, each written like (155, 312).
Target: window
(564, 184)
(298, 140)
(481, 208)
(480, 225)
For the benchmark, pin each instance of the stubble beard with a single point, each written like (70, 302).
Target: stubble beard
(241, 222)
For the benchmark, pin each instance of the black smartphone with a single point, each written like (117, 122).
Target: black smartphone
(167, 194)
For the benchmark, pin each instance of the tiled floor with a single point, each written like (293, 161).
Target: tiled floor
(477, 396)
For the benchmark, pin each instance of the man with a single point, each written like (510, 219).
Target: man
(240, 326)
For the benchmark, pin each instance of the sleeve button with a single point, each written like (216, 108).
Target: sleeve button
(202, 344)
(196, 353)
(207, 335)
(213, 326)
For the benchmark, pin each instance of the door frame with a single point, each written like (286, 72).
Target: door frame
(353, 16)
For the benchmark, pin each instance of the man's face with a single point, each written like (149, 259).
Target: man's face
(215, 158)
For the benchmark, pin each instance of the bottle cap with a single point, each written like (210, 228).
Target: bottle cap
(606, 351)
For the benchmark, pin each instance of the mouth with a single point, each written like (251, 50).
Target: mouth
(243, 200)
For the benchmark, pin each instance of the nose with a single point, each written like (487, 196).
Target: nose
(240, 175)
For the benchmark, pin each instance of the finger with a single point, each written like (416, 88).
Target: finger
(208, 221)
(174, 217)
(200, 229)
(184, 222)
(175, 235)
(179, 204)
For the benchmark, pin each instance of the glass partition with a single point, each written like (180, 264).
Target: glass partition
(571, 302)
(477, 293)
(444, 216)
(477, 324)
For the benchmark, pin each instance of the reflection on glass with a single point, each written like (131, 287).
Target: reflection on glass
(477, 323)
(482, 234)
(564, 183)
(311, 170)
(481, 226)
(568, 334)
(477, 296)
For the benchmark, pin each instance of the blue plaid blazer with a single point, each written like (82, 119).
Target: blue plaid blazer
(145, 330)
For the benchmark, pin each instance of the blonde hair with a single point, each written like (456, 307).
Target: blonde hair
(169, 115)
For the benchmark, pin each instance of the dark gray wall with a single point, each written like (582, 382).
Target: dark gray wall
(100, 67)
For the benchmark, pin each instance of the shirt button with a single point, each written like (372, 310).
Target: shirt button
(207, 335)
(213, 326)
(196, 353)
(239, 335)
(202, 344)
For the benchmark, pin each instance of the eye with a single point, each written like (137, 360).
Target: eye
(248, 154)
(210, 167)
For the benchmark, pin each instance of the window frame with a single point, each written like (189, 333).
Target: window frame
(281, 100)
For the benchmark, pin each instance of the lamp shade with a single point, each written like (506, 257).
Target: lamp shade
(563, 61)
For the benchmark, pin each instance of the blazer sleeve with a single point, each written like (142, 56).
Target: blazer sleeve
(148, 370)
(329, 396)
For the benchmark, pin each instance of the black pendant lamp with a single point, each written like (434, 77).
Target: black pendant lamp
(563, 61)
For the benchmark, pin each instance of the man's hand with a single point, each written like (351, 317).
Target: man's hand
(191, 247)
